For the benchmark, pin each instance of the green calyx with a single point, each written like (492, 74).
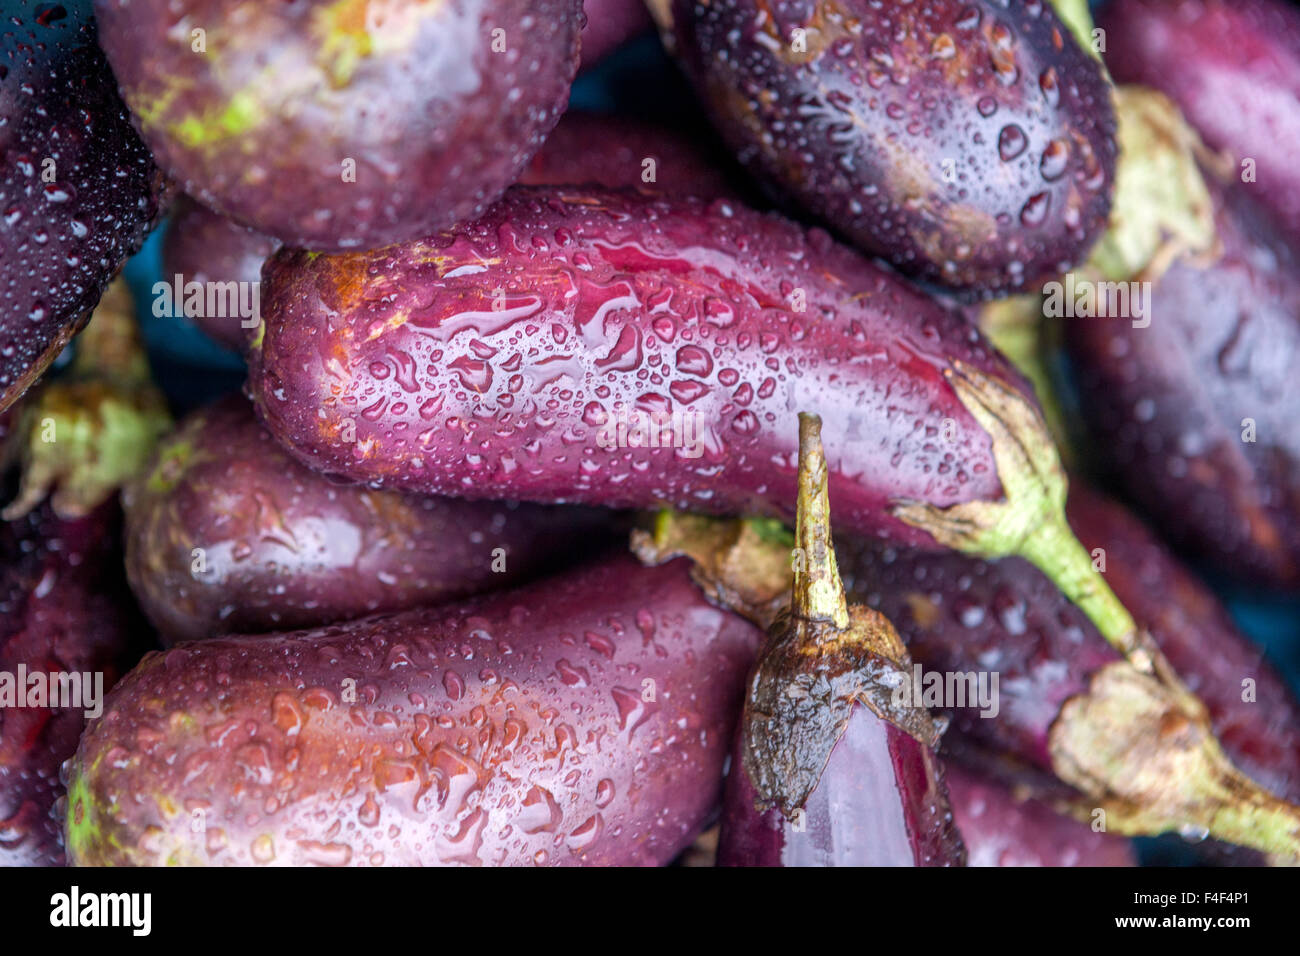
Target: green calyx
(1078, 18)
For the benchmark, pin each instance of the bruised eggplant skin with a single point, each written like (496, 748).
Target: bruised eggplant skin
(62, 609)
(515, 729)
(612, 304)
(1171, 405)
(880, 802)
(201, 246)
(1233, 68)
(610, 24)
(282, 547)
(78, 189)
(612, 150)
(960, 614)
(969, 143)
(1001, 830)
(338, 124)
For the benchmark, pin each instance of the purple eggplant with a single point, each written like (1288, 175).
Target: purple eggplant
(1192, 407)
(65, 623)
(78, 189)
(225, 533)
(203, 247)
(850, 779)
(1233, 68)
(610, 24)
(581, 720)
(343, 124)
(970, 143)
(1002, 829)
(622, 153)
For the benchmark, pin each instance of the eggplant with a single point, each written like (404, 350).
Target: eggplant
(618, 152)
(595, 347)
(850, 779)
(971, 144)
(201, 246)
(1233, 68)
(225, 533)
(344, 125)
(1000, 828)
(78, 189)
(610, 24)
(64, 613)
(1191, 408)
(584, 719)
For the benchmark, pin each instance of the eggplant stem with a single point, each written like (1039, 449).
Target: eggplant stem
(818, 589)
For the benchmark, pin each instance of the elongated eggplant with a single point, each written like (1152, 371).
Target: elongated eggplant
(622, 153)
(610, 24)
(851, 779)
(588, 346)
(65, 628)
(388, 119)
(1193, 406)
(970, 143)
(1001, 829)
(201, 246)
(225, 533)
(78, 189)
(581, 720)
(1233, 67)
(975, 619)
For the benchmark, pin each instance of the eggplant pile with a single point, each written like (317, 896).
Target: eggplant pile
(605, 491)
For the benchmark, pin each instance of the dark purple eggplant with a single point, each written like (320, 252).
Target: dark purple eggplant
(63, 611)
(610, 24)
(969, 143)
(622, 153)
(1067, 703)
(78, 190)
(826, 770)
(201, 246)
(343, 124)
(1192, 407)
(607, 348)
(581, 720)
(1233, 68)
(225, 533)
(1001, 829)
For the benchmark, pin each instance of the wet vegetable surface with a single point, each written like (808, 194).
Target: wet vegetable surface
(518, 355)
(338, 125)
(969, 143)
(226, 533)
(78, 190)
(582, 720)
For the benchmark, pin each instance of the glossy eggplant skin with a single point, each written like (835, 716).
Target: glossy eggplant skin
(611, 151)
(515, 729)
(62, 609)
(1001, 830)
(610, 24)
(201, 246)
(971, 144)
(78, 189)
(1233, 68)
(343, 125)
(502, 360)
(280, 547)
(961, 614)
(881, 801)
(1173, 404)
